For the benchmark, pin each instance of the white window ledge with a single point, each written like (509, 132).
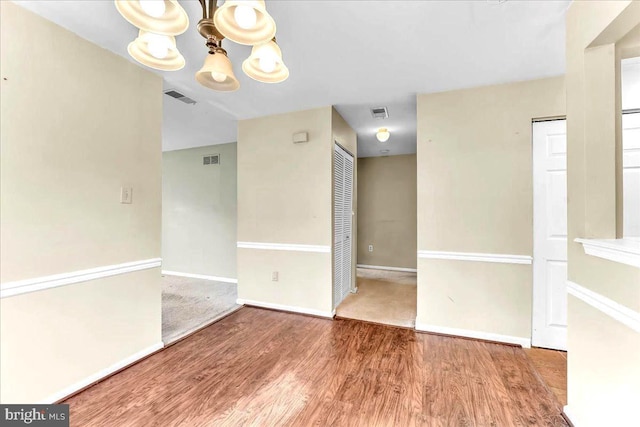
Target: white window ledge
(625, 251)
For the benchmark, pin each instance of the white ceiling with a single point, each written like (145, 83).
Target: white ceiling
(351, 54)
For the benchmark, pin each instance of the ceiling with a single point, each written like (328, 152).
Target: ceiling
(352, 54)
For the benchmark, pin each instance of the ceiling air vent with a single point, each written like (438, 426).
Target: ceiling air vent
(180, 97)
(379, 112)
(212, 159)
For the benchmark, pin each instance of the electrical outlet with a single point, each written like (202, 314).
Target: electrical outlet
(126, 195)
(370, 248)
(274, 276)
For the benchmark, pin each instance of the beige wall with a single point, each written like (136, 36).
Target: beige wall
(284, 191)
(199, 211)
(284, 196)
(387, 211)
(603, 367)
(475, 194)
(77, 124)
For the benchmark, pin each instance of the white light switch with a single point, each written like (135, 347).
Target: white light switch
(370, 248)
(126, 195)
(274, 276)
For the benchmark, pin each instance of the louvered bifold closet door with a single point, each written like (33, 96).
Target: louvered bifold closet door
(346, 225)
(338, 231)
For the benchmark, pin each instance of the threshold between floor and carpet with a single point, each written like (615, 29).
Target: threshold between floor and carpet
(189, 304)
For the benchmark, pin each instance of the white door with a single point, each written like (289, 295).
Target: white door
(342, 217)
(550, 235)
(631, 174)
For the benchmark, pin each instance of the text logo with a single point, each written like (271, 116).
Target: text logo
(34, 415)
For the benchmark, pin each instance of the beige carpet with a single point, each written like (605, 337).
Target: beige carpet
(383, 297)
(188, 304)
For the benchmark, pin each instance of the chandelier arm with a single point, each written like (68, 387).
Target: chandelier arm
(204, 9)
(213, 5)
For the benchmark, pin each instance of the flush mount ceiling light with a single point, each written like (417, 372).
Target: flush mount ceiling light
(383, 135)
(265, 63)
(243, 21)
(156, 51)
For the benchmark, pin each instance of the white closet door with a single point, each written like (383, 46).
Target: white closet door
(338, 232)
(550, 235)
(631, 174)
(342, 207)
(346, 225)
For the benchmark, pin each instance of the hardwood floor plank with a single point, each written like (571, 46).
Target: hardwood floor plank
(552, 367)
(535, 404)
(446, 400)
(265, 368)
(330, 366)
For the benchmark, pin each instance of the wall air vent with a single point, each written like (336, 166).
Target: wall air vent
(212, 159)
(379, 112)
(180, 97)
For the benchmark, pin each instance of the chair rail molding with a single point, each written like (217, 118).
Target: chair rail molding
(625, 251)
(617, 311)
(474, 256)
(19, 287)
(285, 247)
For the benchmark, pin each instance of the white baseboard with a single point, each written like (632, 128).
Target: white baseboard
(68, 391)
(467, 333)
(285, 247)
(292, 309)
(200, 276)
(567, 412)
(382, 267)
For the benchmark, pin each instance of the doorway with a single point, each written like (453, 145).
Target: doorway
(386, 246)
(199, 222)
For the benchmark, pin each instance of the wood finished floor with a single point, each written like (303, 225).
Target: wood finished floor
(265, 368)
(552, 367)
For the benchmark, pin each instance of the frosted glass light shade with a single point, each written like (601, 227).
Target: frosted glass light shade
(148, 48)
(172, 22)
(225, 21)
(383, 135)
(217, 73)
(265, 64)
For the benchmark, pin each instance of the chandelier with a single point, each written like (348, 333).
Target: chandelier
(242, 21)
